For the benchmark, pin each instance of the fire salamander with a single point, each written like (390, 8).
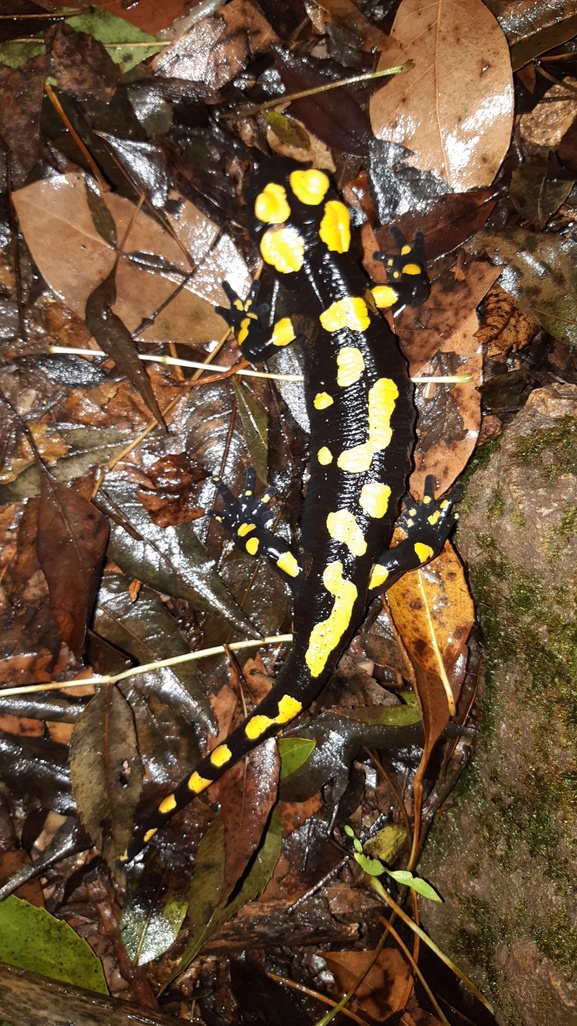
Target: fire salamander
(360, 403)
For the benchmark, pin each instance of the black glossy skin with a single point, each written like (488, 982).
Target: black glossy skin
(324, 278)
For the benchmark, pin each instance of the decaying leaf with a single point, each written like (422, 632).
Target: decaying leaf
(106, 771)
(216, 48)
(383, 989)
(72, 536)
(540, 272)
(455, 115)
(449, 414)
(504, 325)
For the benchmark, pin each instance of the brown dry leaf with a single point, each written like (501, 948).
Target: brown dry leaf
(74, 258)
(317, 152)
(50, 447)
(32, 649)
(449, 415)
(454, 109)
(216, 48)
(72, 537)
(505, 326)
(433, 612)
(423, 330)
(547, 123)
(383, 988)
(294, 814)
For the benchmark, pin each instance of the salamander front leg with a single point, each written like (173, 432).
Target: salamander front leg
(428, 525)
(406, 272)
(249, 521)
(244, 317)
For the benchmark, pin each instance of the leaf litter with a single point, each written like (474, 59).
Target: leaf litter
(164, 122)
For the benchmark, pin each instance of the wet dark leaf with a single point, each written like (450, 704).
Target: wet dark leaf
(105, 771)
(145, 629)
(540, 272)
(22, 92)
(333, 116)
(171, 560)
(206, 918)
(37, 766)
(80, 64)
(72, 536)
(255, 428)
(145, 165)
(117, 342)
(536, 195)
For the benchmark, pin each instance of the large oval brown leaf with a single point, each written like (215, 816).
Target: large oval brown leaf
(71, 543)
(454, 110)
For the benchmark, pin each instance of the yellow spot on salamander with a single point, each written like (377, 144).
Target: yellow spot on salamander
(325, 456)
(245, 529)
(252, 546)
(271, 205)
(405, 250)
(322, 401)
(379, 574)
(350, 366)
(381, 400)
(196, 783)
(423, 552)
(335, 227)
(385, 296)
(375, 498)
(350, 312)
(221, 755)
(243, 330)
(434, 517)
(288, 563)
(411, 269)
(167, 805)
(288, 708)
(238, 303)
(343, 527)
(310, 187)
(149, 834)
(326, 635)
(283, 332)
(284, 249)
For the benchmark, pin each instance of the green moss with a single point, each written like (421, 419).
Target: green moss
(557, 940)
(482, 456)
(518, 519)
(553, 449)
(568, 525)
(496, 506)
(477, 937)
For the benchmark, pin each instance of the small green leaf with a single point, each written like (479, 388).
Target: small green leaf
(289, 131)
(15, 55)
(372, 867)
(357, 844)
(294, 752)
(416, 883)
(349, 830)
(148, 930)
(32, 939)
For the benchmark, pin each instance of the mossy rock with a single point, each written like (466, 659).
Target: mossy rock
(504, 856)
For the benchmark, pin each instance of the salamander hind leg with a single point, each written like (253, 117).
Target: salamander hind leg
(249, 521)
(427, 525)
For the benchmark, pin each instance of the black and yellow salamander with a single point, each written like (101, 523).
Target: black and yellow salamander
(360, 404)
